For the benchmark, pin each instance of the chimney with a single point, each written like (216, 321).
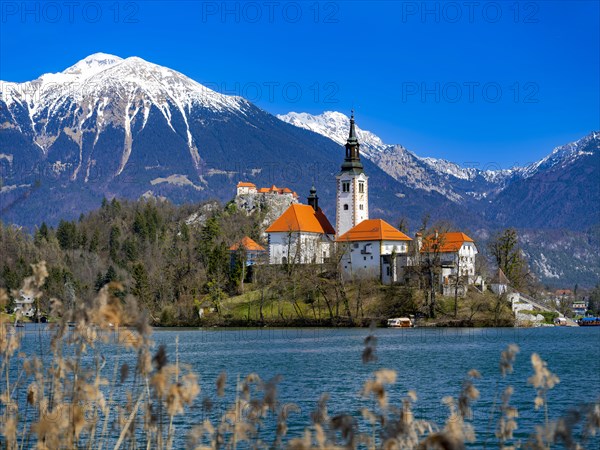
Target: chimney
(313, 199)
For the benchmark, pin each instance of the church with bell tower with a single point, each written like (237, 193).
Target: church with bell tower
(352, 192)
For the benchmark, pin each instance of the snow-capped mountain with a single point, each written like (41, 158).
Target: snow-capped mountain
(564, 155)
(458, 184)
(334, 125)
(454, 182)
(113, 127)
(82, 97)
(108, 126)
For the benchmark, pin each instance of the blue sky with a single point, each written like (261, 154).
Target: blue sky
(488, 84)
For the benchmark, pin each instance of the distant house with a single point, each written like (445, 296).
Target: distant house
(244, 188)
(579, 307)
(302, 234)
(499, 283)
(374, 249)
(456, 253)
(24, 305)
(254, 252)
(564, 293)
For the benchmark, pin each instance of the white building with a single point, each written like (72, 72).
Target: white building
(499, 284)
(374, 249)
(24, 305)
(455, 251)
(302, 234)
(352, 192)
(245, 188)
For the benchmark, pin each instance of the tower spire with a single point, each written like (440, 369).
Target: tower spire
(313, 199)
(352, 161)
(352, 137)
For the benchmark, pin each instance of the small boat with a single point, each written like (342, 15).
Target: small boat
(560, 322)
(589, 322)
(400, 322)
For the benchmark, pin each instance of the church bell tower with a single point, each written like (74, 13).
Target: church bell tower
(352, 197)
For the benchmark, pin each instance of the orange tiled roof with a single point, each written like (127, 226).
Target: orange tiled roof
(248, 244)
(564, 292)
(446, 242)
(373, 230)
(245, 184)
(302, 218)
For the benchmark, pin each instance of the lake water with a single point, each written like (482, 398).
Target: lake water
(433, 362)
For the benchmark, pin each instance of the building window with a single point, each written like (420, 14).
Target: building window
(355, 245)
(345, 186)
(346, 207)
(361, 187)
(371, 257)
(361, 207)
(365, 258)
(387, 270)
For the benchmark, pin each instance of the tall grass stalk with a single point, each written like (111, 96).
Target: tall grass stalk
(46, 398)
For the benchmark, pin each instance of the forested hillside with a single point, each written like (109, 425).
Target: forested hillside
(145, 245)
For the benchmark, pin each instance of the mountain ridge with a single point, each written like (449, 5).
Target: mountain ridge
(482, 190)
(124, 127)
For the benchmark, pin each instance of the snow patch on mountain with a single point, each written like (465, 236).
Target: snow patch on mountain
(564, 154)
(428, 174)
(102, 90)
(455, 182)
(92, 64)
(177, 180)
(334, 125)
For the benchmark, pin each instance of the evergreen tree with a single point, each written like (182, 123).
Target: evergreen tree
(140, 227)
(94, 242)
(111, 275)
(141, 286)
(185, 232)
(66, 233)
(113, 242)
(130, 249)
(99, 282)
(115, 207)
(82, 241)
(594, 302)
(43, 231)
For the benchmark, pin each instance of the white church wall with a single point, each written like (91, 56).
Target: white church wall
(301, 247)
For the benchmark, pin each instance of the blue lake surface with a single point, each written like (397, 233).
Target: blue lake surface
(431, 361)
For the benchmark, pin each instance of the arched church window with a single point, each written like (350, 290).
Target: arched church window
(346, 207)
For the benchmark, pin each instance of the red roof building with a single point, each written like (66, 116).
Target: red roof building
(373, 230)
(302, 234)
(302, 218)
(248, 244)
(445, 242)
